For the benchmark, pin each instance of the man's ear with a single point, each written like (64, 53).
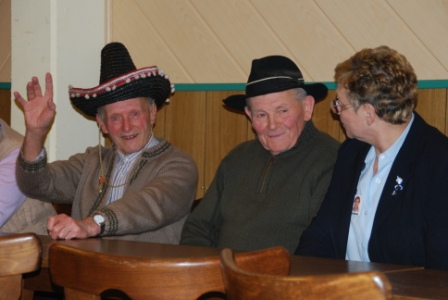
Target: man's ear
(247, 111)
(153, 113)
(101, 124)
(308, 107)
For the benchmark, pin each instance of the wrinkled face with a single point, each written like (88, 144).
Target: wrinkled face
(128, 123)
(279, 118)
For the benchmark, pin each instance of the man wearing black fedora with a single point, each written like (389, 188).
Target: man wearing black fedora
(141, 188)
(266, 191)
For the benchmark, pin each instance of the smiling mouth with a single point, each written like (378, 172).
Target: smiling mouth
(129, 137)
(273, 136)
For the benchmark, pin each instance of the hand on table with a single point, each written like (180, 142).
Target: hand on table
(66, 228)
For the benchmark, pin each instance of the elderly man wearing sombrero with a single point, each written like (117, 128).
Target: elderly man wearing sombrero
(141, 188)
(266, 191)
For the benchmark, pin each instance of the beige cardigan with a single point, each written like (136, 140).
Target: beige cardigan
(154, 206)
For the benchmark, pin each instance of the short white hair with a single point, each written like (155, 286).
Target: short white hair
(300, 95)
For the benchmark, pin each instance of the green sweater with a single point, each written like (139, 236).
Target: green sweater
(257, 200)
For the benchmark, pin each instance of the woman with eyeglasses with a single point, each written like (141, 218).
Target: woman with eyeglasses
(393, 163)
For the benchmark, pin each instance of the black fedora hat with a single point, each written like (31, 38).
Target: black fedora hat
(272, 74)
(121, 80)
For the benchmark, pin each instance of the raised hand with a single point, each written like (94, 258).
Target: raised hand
(40, 109)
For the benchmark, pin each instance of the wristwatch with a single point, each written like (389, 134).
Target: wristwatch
(99, 219)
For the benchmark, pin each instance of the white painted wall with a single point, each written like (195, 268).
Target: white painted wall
(64, 37)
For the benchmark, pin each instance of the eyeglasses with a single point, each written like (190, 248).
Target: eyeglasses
(337, 107)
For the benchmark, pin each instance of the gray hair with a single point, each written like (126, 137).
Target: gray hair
(300, 95)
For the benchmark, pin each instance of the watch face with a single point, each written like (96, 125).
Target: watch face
(99, 219)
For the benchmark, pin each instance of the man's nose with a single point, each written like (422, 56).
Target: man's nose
(273, 121)
(126, 124)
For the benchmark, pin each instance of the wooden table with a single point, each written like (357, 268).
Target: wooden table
(419, 284)
(303, 266)
(408, 282)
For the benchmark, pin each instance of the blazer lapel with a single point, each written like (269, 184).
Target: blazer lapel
(401, 171)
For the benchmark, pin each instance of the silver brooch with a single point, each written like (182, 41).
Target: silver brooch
(398, 186)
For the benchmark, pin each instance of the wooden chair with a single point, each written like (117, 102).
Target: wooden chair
(19, 254)
(244, 284)
(90, 275)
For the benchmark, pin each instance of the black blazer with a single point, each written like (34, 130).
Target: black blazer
(410, 227)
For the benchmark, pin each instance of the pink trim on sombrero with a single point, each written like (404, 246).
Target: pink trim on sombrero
(116, 82)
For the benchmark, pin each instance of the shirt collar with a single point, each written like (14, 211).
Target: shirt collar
(391, 153)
